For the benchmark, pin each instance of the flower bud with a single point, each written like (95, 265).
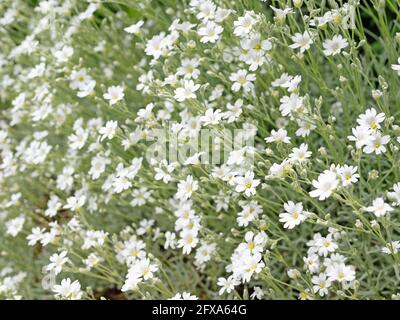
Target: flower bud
(376, 94)
(297, 3)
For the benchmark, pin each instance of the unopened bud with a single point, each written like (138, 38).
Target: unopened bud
(377, 94)
(297, 3)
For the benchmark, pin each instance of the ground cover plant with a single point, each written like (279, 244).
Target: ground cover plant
(198, 149)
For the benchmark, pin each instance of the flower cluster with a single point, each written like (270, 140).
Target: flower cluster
(199, 149)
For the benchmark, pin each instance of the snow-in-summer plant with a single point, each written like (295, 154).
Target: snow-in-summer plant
(199, 149)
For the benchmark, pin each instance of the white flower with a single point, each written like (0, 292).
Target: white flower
(134, 28)
(170, 240)
(321, 284)
(98, 166)
(114, 94)
(162, 175)
(212, 117)
(188, 241)
(293, 84)
(290, 104)
(144, 269)
(35, 236)
(187, 91)
(221, 14)
(252, 264)
(396, 67)
(186, 188)
(361, 135)
(371, 119)
(325, 245)
(63, 54)
(78, 139)
(247, 184)
(293, 215)
(86, 89)
(335, 45)
(311, 262)
(242, 79)
(326, 184)
(250, 211)
(305, 128)
(258, 293)
(131, 282)
(234, 111)
(75, 202)
(79, 79)
(300, 155)
(280, 14)
(227, 285)
(301, 41)
(379, 207)
(210, 32)
(14, 226)
(348, 174)
(376, 143)
(395, 195)
(57, 262)
(206, 10)
(108, 131)
(188, 68)
(391, 247)
(92, 260)
(283, 81)
(156, 46)
(245, 24)
(278, 136)
(68, 290)
(254, 44)
(340, 272)
(140, 196)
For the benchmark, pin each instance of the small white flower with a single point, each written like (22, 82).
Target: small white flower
(335, 45)
(247, 184)
(391, 247)
(108, 131)
(75, 202)
(321, 284)
(14, 226)
(361, 135)
(379, 207)
(227, 284)
(134, 28)
(114, 94)
(396, 67)
(326, 184)
(242, 79)
(348, 174)
(340, 272)
(212, 117)
(395, 195)
(376, 143)
(293, 215)
(244, 25)
(210, 32)
(290, 104)
(57, 262)
(186, 188)
(301, 41)
(278, 136)
(300, 155)
(68, 290)
(371, 119)
(187, 91)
